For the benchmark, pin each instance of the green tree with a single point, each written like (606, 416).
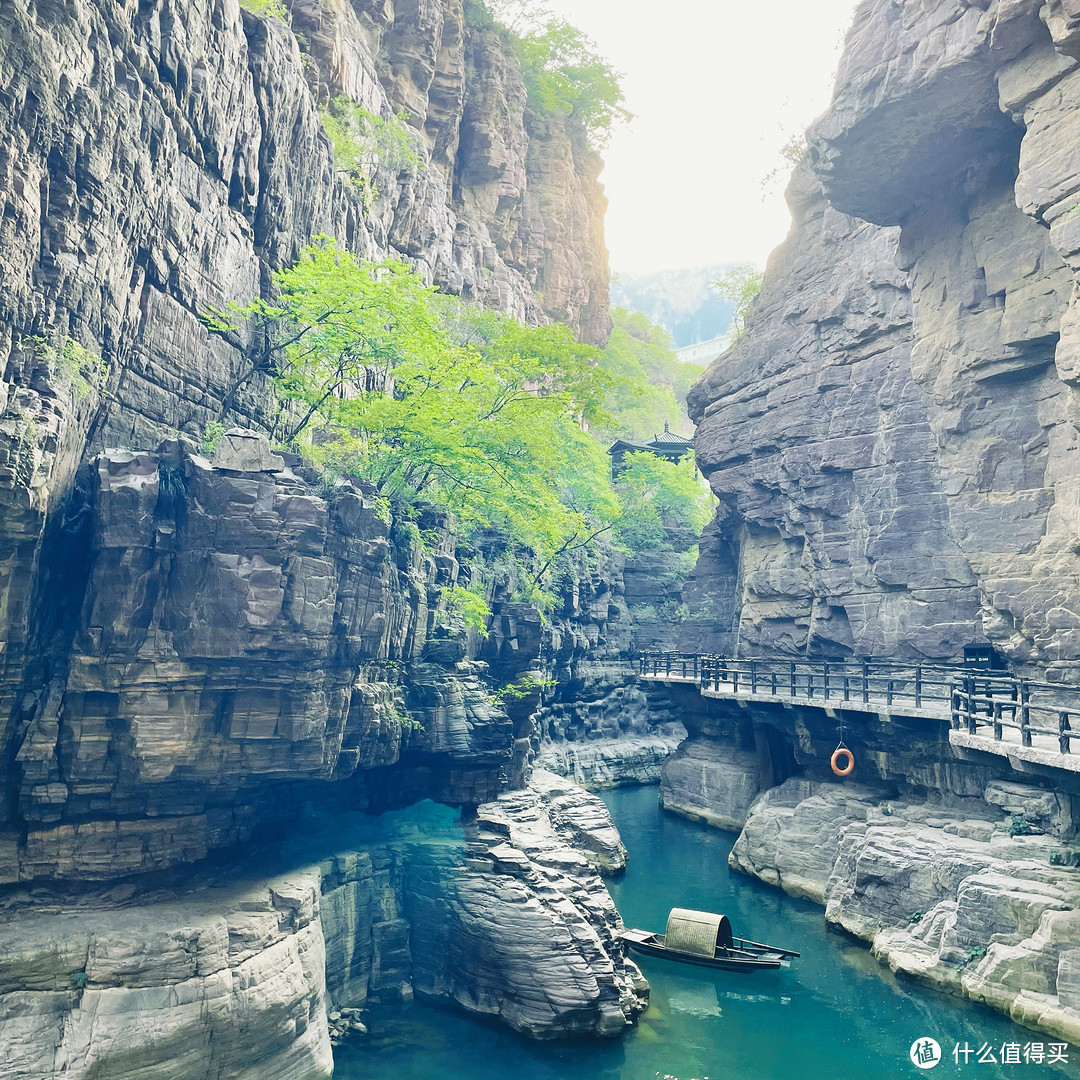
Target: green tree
(741, 285)
(649, 383)
(658, 496)
(564, 74)
(364, 142)
(428, 399)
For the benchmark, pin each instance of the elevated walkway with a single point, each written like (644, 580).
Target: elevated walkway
(1028, 722)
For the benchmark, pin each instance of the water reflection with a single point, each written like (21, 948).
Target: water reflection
(835, 1014)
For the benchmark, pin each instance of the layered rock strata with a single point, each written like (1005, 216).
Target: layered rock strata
(156, 164)
(602, 729)
(234, 977)
(955, 894)
(238, 632)
(568, 680)
(892, 440)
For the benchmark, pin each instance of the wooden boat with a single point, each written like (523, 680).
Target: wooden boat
(700, 937)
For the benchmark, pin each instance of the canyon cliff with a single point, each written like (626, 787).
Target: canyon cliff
(159, 161)
(893, 439)
(893, 442)
(212, 658)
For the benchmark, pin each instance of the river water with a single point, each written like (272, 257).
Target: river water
(835, 1014)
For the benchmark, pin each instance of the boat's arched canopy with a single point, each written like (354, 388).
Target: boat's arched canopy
(697, 932)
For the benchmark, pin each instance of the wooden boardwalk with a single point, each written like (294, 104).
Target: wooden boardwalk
(1029, 722)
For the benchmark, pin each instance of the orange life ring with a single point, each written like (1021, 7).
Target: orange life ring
(847, 770)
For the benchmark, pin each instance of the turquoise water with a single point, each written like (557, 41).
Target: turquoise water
(835, 1014)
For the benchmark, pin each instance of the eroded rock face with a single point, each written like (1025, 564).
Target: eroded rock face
(234, 977)
(892, 440)
(157, 164)
(710, 782)
(225, 983)
(238, 632)
(832, 535)
(945, 893)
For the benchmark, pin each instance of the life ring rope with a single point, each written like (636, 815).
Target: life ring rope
(840, 751)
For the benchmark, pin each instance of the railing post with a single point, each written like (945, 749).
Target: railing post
(753, 676)
(1025, 713)
(825, 679)
(889, 694)
(772, 678)
(809, 681)
(969, 683)
(667, 664)
(997, 720)
(847, 695)
(792, 678)
(735, 677)
(954, 703)
(865, 683)
(1064, 733)
(918, 686)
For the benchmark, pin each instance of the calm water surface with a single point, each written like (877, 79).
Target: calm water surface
(835, 1014)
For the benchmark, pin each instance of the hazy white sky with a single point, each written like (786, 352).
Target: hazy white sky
(717, 87)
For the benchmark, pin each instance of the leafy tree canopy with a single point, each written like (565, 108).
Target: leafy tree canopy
(658, 496)
(649, 383)
(429, 399)
(741, 285)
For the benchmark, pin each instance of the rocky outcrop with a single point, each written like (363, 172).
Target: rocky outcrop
(892, 438)
(951, 893)
(600, 728)
(235, 976)
(238, 632)
(605, 763)
(566, 678)
(228, 983)
(181, 641)
(711, 782)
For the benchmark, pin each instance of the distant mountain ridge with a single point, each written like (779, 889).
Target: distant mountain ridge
(682, 301)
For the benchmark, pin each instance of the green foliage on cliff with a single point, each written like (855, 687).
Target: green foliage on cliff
(469, 607)
(741, 285)
(364, 142)
(657, 496)
(379, 376)
(564, 74)
(83, 369)
(429, 399)
(266, 9)
(649, 382)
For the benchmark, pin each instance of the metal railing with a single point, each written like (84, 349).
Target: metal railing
(969, 699)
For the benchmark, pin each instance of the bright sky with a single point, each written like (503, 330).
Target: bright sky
(717, 87)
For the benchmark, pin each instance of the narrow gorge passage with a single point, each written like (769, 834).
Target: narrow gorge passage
(356, 509)
(836, 1014)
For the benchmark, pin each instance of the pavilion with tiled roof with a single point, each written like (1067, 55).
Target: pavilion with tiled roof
(667, 444)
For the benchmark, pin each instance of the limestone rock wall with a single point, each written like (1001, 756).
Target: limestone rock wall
(573, 694)
(173, 654)
(233, 632)
(234, 975)
(165, 157)
(893, 439)
(946, 893)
